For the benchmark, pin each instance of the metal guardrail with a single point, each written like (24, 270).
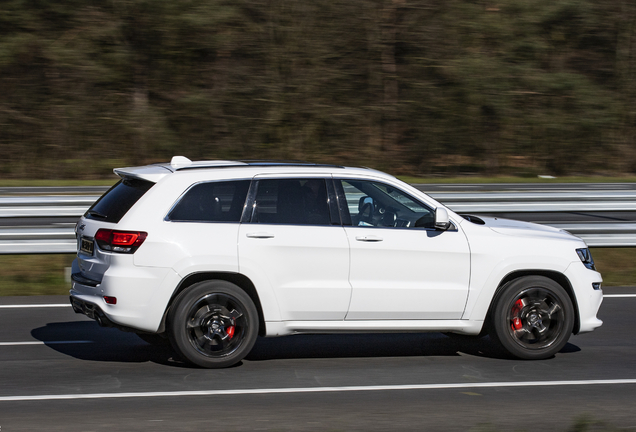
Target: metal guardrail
(37, 240)
(45, 206)
(477, 202)
(48, 239)
(523, 202)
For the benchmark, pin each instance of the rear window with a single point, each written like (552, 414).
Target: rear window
(212, 202)
(115, 203)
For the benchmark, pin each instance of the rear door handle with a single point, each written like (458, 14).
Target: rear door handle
(369, 238)
(260, 235)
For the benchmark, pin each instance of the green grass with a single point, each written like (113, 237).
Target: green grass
(24, 275)
(617, 265)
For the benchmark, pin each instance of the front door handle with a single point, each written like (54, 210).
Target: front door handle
(369, 238)
(260, 235)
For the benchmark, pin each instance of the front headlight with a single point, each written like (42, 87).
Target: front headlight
(586, 258)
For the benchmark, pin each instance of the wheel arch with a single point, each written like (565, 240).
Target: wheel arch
(556, 276)
(237, 279)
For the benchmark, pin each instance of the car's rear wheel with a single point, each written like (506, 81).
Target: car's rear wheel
(533, 318)
(213, 324)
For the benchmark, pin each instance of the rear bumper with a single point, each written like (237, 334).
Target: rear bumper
(92, 311)
(142, 294)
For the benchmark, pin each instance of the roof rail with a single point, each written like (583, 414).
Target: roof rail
(275, 162)
(181, 165)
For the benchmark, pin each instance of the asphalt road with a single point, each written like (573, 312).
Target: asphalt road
(61, 372)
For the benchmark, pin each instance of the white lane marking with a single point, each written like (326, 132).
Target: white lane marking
(619, 295)
(44, 343)
(34, 306)
(316, 390)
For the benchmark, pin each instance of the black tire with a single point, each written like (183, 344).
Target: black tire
(533, 318)
(213, 324)
(154, 339)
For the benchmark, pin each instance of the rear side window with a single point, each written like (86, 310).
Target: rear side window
(115, 203)
(212, 202)
(292, 201)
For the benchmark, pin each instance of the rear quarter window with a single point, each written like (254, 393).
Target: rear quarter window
(116, 202)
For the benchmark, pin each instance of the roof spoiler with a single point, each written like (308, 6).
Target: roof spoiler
(151, 173)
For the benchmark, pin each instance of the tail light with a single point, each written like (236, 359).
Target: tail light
(120, 241)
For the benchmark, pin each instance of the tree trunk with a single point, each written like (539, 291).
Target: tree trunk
(389, 77)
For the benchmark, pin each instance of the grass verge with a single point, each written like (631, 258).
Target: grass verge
(617, 265)
(24, 275)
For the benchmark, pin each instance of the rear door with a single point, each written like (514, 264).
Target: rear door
(295, 245)
(205, 224)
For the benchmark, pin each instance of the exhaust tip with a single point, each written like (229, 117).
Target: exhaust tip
(92, 311)
(102, 320)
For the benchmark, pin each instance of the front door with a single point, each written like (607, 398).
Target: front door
(401, 271)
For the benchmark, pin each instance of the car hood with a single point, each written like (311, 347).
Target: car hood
(525, 229)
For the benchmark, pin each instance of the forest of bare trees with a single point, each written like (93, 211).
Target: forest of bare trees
(421, 87)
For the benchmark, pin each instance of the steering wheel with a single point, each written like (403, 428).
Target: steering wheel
(366, 213)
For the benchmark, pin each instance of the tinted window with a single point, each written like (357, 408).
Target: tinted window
(212, 202)
(292, 201)
(377, 204)
(116, 202)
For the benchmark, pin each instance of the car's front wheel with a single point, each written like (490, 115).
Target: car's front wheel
(213, 324)
(532, 318)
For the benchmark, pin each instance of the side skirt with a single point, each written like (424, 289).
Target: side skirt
(283, 328)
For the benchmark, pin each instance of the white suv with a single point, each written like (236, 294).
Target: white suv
(212, 254)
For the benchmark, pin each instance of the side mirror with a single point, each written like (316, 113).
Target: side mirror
(442, 222)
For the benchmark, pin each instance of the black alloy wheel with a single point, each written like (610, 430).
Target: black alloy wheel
(213, 324)
(533, 317)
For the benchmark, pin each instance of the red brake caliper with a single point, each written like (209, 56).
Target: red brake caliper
(516, 321)
(230, 331)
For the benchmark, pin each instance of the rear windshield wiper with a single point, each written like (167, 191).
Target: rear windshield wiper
(96, 214)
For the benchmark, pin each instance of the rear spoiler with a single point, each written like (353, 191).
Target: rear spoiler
(152, 173)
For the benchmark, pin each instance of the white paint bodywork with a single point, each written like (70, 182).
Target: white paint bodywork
(326, 278)
(408, 274)
(306, 267)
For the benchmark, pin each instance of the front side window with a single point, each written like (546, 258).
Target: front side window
(212, 202)
(374, 204)
(292, 201)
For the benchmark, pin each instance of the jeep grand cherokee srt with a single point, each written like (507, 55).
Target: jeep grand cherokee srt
(211, 254)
